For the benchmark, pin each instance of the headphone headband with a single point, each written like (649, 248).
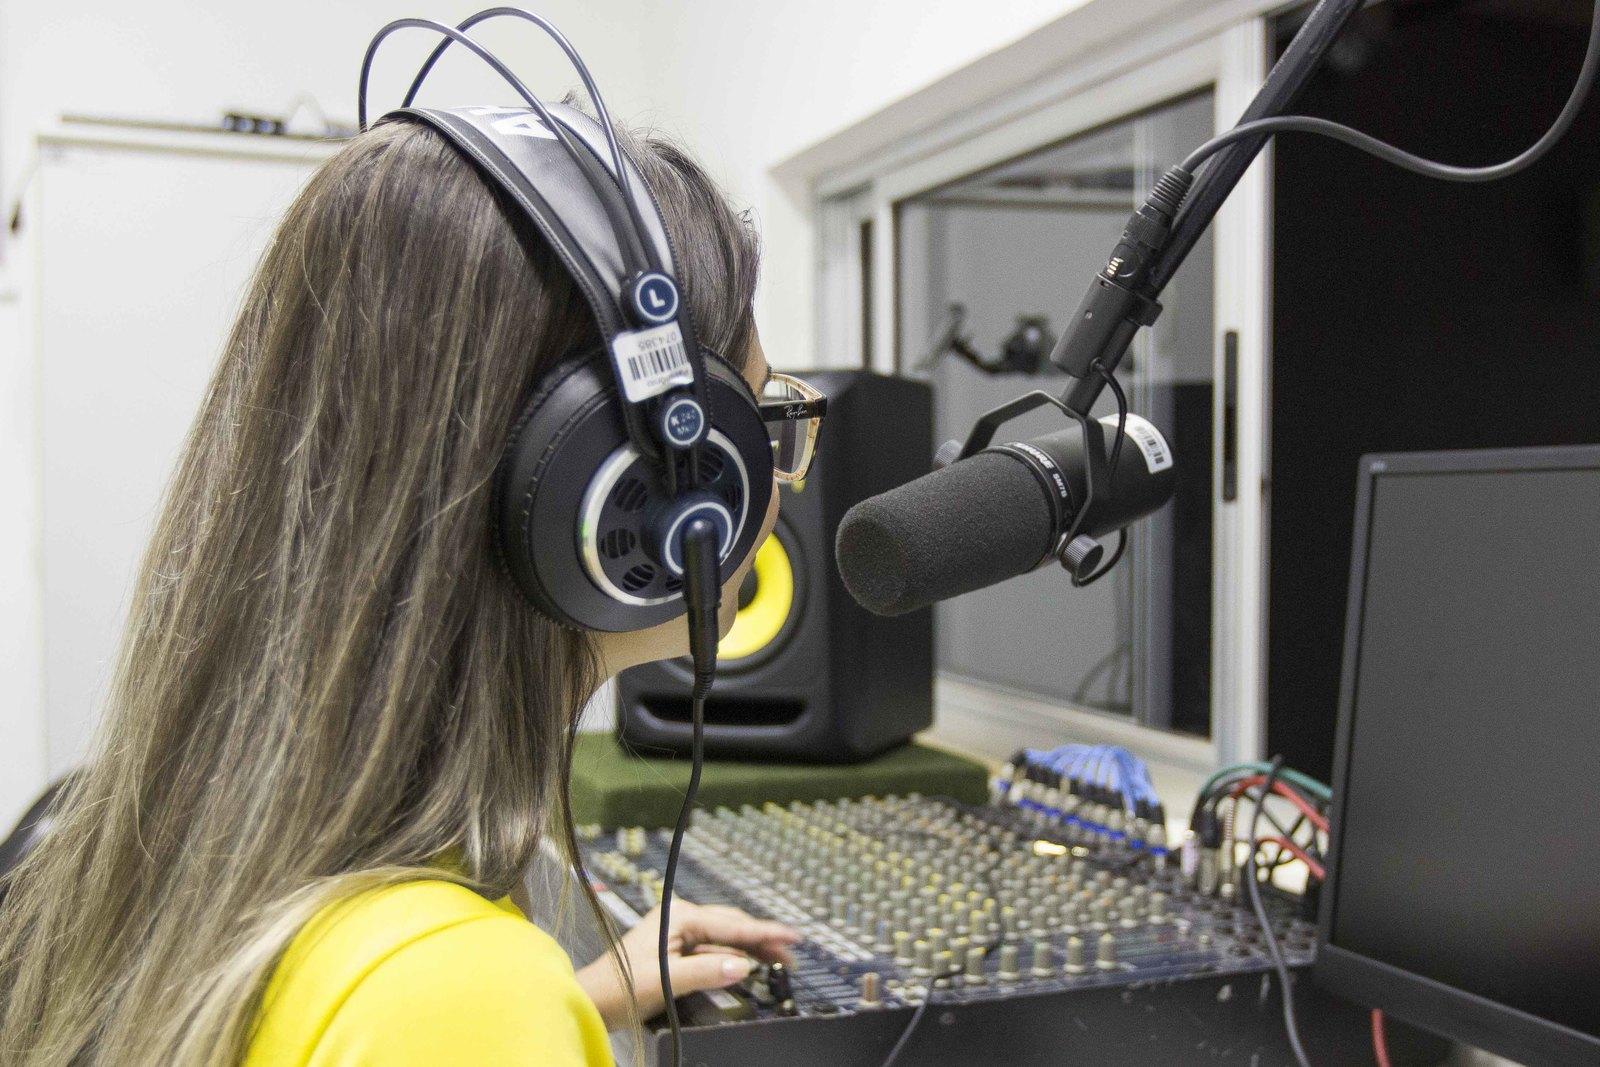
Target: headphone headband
(525, 158)
(567, 206)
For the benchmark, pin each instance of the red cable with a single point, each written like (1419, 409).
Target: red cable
(1299, 853)
(1380, 1043)
(1315, 817)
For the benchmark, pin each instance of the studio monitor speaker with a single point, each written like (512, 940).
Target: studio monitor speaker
(806, 674)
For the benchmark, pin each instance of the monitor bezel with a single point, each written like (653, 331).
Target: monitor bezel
(1414, 997)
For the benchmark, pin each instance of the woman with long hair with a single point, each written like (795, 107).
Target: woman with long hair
(336, 736)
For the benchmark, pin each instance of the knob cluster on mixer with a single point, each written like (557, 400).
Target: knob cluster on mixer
(616, 866)
(902, 899)
(947, 895)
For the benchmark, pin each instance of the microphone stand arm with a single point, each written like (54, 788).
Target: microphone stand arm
(1157, 239)
(1122, 296)
(1156, 243)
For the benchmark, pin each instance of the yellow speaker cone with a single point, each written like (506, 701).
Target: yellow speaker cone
(761, 620)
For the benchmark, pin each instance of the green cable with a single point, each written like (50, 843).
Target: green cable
(1304, 782)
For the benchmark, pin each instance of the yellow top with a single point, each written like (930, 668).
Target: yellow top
(425, 972)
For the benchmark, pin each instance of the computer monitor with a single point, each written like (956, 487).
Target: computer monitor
(1463, 889)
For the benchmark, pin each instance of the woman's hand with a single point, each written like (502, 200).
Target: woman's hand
(710, 947)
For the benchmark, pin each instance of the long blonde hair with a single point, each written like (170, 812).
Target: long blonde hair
(325, 683)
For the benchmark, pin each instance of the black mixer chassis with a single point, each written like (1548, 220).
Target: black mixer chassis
(1170, 1003)
(1213, 1019)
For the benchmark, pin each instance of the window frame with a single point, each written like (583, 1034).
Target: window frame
(1227, 52)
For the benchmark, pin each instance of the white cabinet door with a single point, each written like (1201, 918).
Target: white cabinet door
(142, 250)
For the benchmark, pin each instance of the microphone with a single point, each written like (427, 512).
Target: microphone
(994, 515)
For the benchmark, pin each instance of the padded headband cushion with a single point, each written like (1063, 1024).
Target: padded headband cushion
(570, 449)
(519, 155)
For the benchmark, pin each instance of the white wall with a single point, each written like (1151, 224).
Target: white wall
(745, 83)
(193, 59)
(190, 60)
(762, 80)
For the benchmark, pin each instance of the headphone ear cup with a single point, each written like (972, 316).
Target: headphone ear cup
(574, 501)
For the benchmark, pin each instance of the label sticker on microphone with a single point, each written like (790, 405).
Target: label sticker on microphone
(650, 362)
(1157, 454)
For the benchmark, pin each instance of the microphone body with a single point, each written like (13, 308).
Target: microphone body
(994, 515)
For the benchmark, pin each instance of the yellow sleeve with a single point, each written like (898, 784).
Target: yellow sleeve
(489, 990)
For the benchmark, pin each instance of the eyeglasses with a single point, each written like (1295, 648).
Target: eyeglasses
(793, 413)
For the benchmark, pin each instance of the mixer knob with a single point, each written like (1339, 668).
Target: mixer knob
(871, 994)
(944, 966)
(902, 949)
(974, 970)
(1010, 968)
(922, 957)
(1043, 960)
(1075, 956)
(1105, 953)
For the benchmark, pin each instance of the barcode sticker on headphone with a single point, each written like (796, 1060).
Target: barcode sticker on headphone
(652, 361)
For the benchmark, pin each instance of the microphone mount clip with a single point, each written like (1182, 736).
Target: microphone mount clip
(1081, 560)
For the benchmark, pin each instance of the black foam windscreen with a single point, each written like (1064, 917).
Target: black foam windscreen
(970, 525)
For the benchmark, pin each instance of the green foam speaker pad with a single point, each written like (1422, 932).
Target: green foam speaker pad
(614, 787)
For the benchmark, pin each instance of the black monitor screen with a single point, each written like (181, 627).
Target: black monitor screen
(1469, 837)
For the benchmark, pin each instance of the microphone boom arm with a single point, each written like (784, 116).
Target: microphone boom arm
(1122, 297)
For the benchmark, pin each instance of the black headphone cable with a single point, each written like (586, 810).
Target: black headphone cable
(702, 590)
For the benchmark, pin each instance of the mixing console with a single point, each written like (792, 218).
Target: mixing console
(901, 898)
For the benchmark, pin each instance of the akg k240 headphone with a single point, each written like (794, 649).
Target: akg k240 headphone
(618, 450)
(637, 476)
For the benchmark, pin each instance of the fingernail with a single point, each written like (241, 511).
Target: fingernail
(736, 967)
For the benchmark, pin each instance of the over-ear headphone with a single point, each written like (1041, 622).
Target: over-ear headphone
(618, 449)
